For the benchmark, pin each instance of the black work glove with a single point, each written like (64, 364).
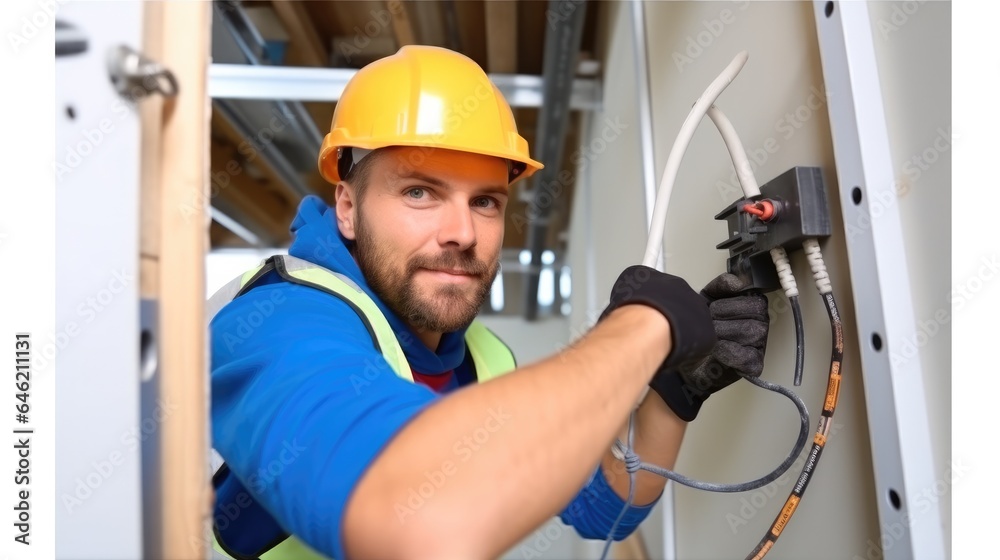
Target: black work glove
(741, 323)
(691, 328)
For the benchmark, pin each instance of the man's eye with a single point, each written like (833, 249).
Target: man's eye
(415, 193)
(485, 202)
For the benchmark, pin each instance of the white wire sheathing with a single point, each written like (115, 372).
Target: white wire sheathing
(740, 160)
(655, 243)
(785, 276)
(811, 247)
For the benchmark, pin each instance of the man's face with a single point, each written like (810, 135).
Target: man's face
(428, 232)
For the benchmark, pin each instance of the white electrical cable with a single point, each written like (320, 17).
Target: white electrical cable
(785, 276)
(705, 105)
(740, 160)
(811, 248)
(655, 243)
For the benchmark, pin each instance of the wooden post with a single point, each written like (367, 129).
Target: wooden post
(174, 236)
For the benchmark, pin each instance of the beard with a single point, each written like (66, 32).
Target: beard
(446, 308)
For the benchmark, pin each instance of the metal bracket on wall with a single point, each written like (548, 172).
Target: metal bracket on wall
(135, 76)
(894, 388)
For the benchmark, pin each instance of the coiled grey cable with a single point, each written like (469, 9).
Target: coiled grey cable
(706, 105)
(621, 452)
(632, 464)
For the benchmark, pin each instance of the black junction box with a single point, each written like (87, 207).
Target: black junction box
(802, 212)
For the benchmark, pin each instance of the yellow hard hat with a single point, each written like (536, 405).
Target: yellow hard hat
(427, 97)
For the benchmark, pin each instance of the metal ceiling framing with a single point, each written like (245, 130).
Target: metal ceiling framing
(241, 81)
(562, 49)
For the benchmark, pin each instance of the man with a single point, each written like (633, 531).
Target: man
(361, 410)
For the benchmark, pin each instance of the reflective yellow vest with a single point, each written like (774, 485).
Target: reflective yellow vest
(490, 355)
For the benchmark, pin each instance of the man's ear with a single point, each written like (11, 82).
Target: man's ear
(344, 197)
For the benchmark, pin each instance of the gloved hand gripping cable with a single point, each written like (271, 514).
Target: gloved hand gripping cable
(624, 452)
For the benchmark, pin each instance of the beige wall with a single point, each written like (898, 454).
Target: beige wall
(913, 46)
(743, 432)
(776, 103)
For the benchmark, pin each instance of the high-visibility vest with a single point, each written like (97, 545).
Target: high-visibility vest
(490, 355)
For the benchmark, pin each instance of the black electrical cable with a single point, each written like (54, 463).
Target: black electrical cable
(800, 345)
(819, 441)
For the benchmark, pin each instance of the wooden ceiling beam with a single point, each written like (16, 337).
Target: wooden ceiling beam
(471, 15)
(501, 36)
(304, 37)
(402, 25)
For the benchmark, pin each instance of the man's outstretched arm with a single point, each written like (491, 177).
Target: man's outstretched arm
(559, 416)
(741, 323)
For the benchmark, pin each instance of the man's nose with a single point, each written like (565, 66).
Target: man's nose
(456, 227)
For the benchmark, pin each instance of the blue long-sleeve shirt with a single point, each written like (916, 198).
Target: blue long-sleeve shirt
(302, 404)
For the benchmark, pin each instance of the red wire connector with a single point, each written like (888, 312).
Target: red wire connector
(763, 209)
